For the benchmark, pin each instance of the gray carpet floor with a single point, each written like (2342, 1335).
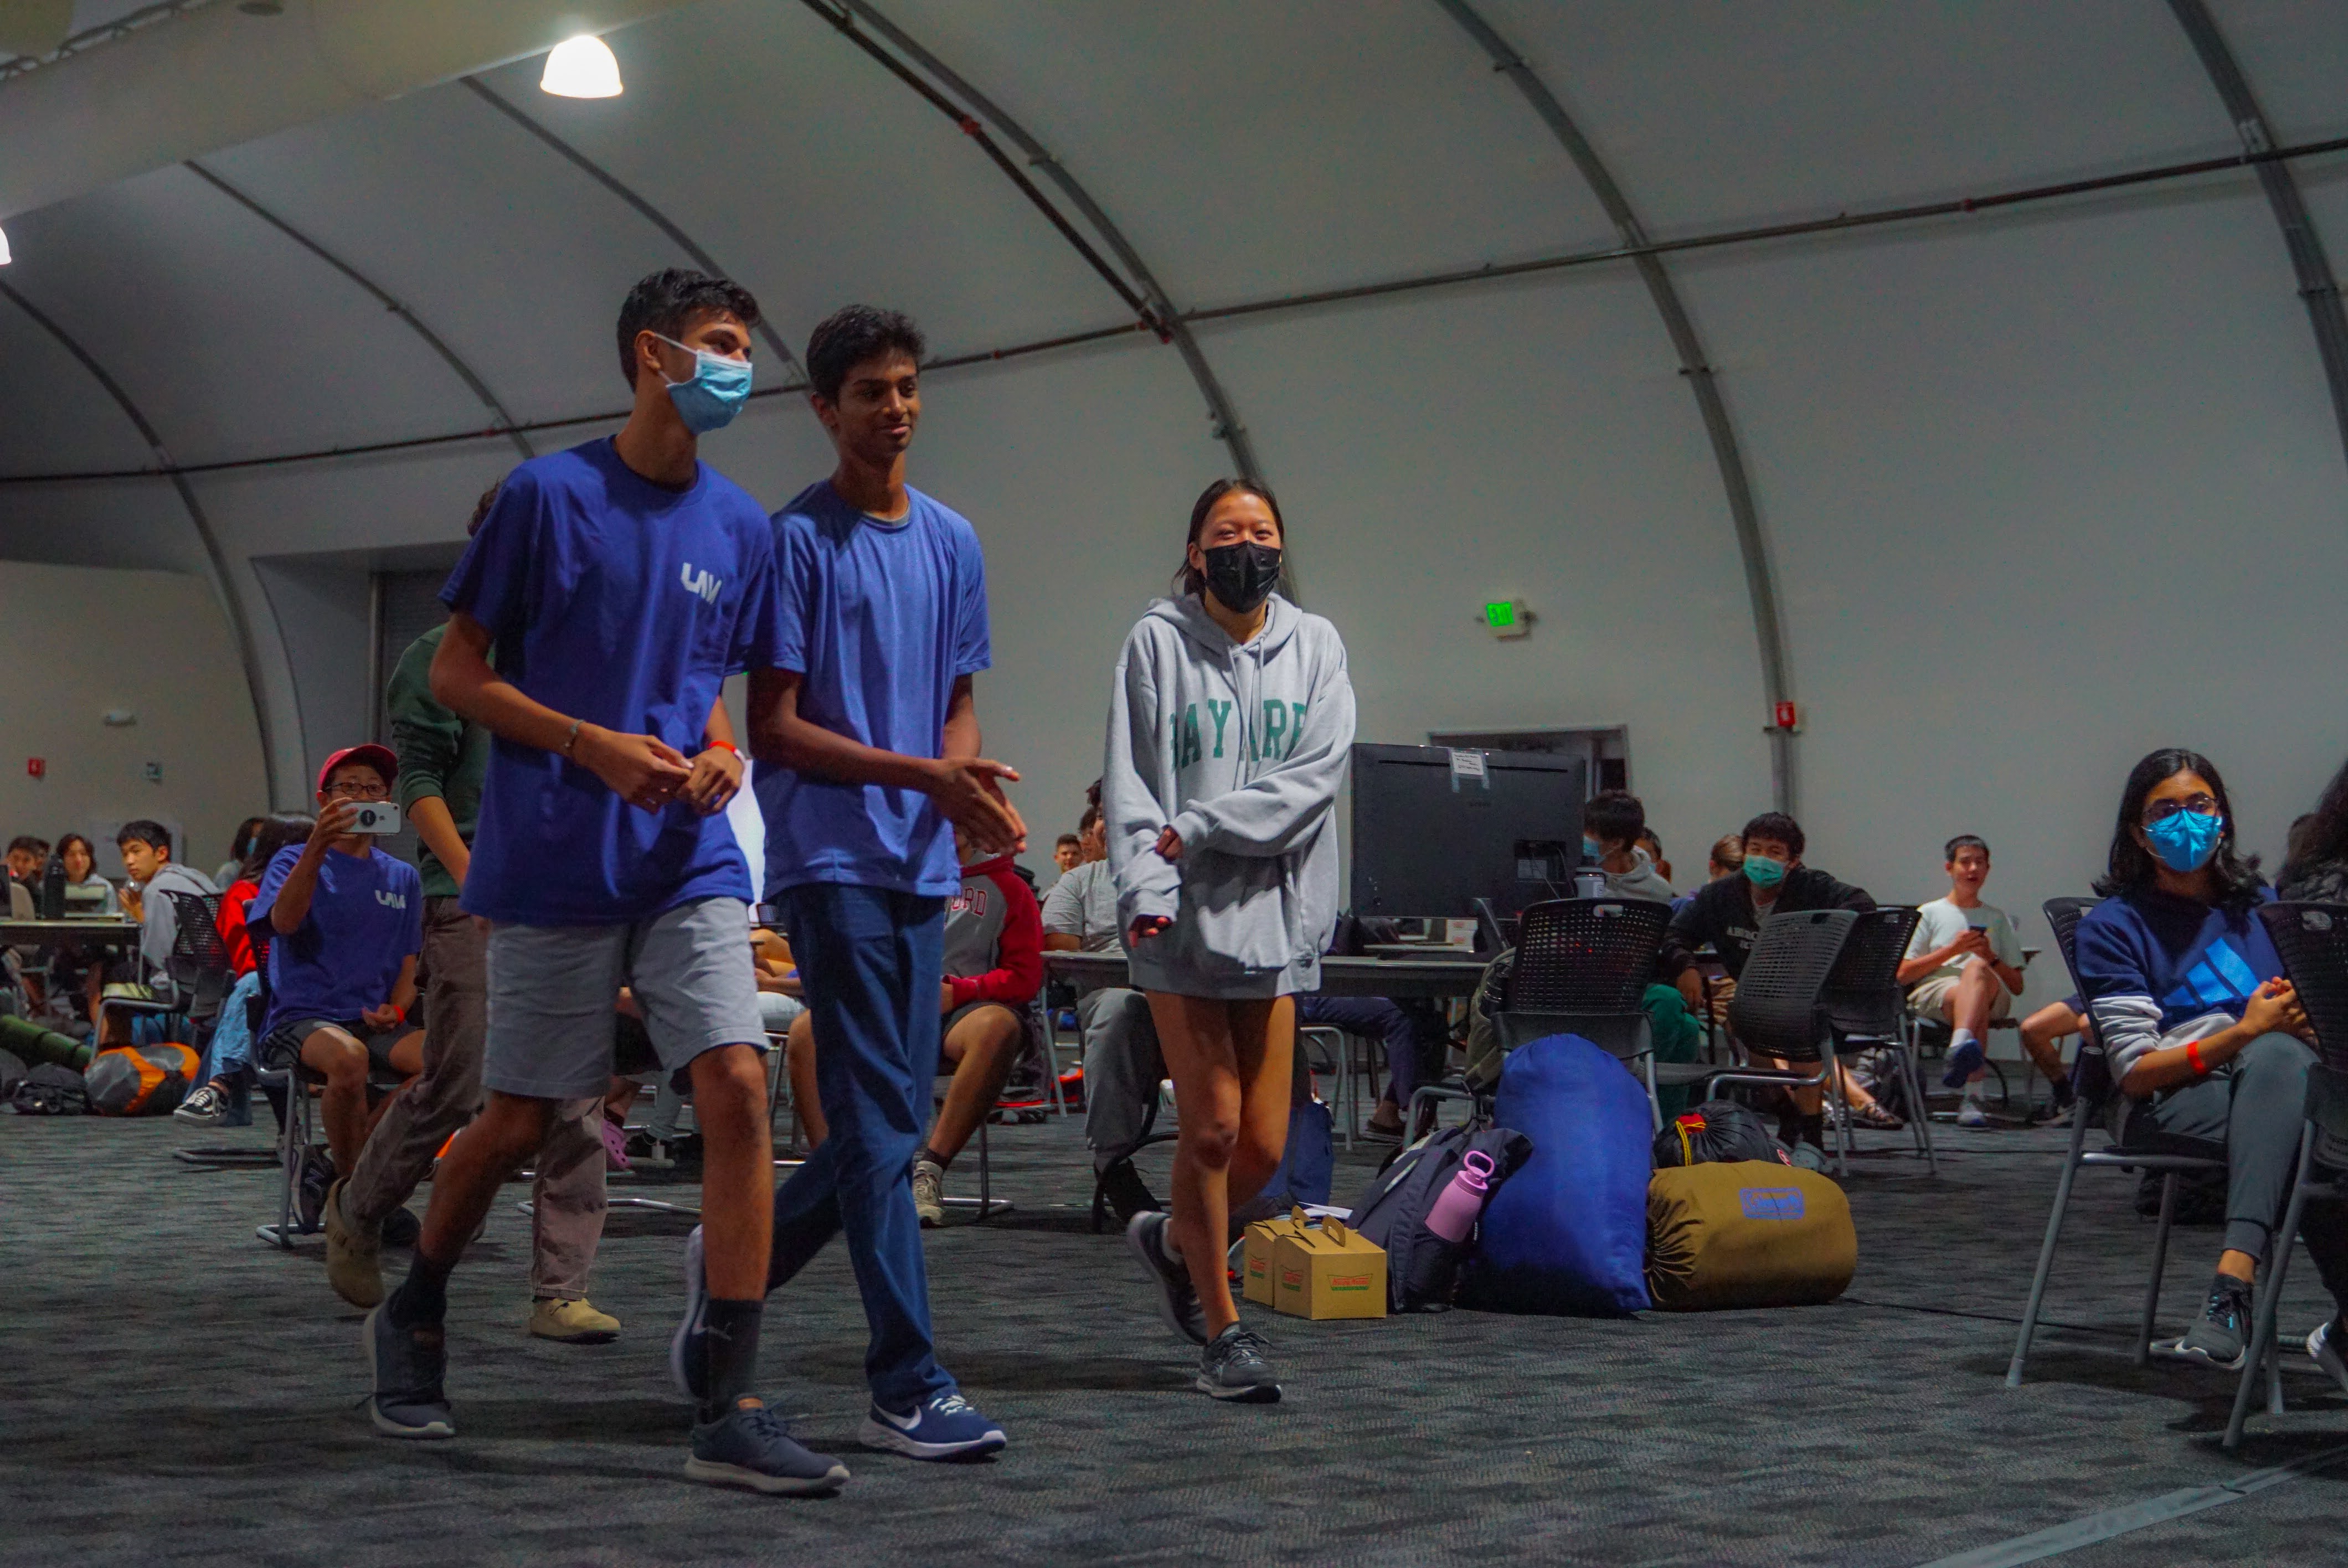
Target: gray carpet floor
(175, 1392)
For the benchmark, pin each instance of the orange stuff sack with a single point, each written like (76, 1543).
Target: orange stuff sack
(140, 1080)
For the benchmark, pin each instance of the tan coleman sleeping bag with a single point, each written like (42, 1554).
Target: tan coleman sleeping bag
(1750, 1233)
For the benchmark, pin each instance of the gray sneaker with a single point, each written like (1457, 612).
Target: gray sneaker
(206, 1107)
(1178, 1298)
(1233, 1368)
(407, 1365)
(2325, 1344)
(2221, 1337)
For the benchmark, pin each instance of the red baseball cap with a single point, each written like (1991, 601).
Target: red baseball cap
(379, 758)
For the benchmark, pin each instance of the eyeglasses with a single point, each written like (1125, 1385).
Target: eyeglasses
(2162, 811)
(358, 791)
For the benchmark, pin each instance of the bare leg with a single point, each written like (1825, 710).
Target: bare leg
(1264, 1040)
(981, 1047)
(1194, 1033)
(2041, 1037)
(407, 1061)
(738, 1183)
(508, 1132)
(341, 1062)
(1978, 989)
(799, 1057)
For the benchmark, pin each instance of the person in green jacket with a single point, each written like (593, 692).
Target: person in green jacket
(443, 762)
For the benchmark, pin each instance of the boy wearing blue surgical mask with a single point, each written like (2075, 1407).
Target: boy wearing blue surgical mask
(1610, 826)
(1728, 915)
(620, 583)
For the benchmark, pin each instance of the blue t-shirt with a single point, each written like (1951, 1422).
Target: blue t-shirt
(367, 916)
(614, 600)
(882, 620)
(2191, 959)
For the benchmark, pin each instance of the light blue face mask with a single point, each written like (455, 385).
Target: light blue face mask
(1592, 849)
(2185, 840)
(1762, 872)
(715, 393)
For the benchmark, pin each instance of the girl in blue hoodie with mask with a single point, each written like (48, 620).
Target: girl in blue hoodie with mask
(2202, 1035)
(1230, 727)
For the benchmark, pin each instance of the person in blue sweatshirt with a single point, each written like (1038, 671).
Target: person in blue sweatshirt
(2203, 1035)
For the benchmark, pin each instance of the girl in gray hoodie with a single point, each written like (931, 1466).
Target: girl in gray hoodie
(1230, 727)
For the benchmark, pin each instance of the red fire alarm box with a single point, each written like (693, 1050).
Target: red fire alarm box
(1786, 716)
(36, 767)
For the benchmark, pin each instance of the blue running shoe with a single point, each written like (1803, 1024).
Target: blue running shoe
(406, 1366)
(751, 1447)
(1963, 1062)
(687, 1362)
(948, 1426)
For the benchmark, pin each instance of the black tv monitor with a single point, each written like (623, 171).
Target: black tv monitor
(1431, 835)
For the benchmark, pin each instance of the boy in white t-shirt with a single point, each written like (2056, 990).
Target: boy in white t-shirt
(1965, 968)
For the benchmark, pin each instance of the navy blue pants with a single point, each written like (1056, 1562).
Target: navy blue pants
(870, 961)
(1374, 1018)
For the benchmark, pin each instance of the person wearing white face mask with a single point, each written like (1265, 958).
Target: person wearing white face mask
(1728, 913)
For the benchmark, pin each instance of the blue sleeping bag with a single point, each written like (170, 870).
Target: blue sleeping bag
(1568, 1233)
(1307, 1168)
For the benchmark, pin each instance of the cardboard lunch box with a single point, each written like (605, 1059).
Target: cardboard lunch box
(1255, 1255)
(1328, 1271)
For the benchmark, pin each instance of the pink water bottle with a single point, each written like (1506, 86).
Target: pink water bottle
(1453, 1213)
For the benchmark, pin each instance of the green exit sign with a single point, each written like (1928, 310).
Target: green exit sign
(1506, 617)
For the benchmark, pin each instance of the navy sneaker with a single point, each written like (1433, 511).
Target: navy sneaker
(1233, 1368)
(689, 1363)
(948, 1426)
(1963, 1062)
(751, 1447)
(406, 1365)
(1178, 1298)
(2221, 1337)
(2325, 1344)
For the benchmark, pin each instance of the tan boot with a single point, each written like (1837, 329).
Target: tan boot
(354, 1256)
(572, 1322)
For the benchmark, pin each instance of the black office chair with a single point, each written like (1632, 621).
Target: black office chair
(2312, 940)
(1581, 968)
(197, 966)
(1778, 1011)
(2096, 1088)
(1864, 1000)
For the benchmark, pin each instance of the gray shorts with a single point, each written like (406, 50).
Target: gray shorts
(553, 991)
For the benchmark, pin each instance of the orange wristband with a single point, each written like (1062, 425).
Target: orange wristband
(2193, 1059)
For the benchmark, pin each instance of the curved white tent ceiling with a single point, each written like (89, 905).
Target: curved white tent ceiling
(1999, 462)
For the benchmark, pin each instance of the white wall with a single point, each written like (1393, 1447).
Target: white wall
(81, 641)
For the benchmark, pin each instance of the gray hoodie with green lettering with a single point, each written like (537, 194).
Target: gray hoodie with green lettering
(1241, 749)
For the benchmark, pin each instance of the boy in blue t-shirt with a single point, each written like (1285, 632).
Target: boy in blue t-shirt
(620, 582)
(346, 921)
(866, 740)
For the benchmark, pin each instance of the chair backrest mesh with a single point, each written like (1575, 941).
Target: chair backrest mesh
(2064, 914)
(2312, 940)
(1862, 993)
(1776, 1009)
(1586, 955)
(198, 961)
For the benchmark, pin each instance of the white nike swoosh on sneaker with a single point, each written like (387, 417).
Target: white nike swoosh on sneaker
(902, 1423)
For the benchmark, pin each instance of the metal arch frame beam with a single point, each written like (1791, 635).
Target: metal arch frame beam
(1759, 578)
(2318, 288)
(247, 653)
(643, 208)
(432, 340)
(1170, 321)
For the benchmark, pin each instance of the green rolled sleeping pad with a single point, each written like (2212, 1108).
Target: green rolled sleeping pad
(34, 1043)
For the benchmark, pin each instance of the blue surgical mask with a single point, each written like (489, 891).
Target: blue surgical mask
(2185, 840)
(1762, 872)
(715, 393)
(1592, 849)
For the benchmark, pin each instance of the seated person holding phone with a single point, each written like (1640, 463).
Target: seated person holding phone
(1963, 969)
(347, 922)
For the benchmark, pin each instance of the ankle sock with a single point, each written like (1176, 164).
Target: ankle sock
(931, 1156)
(730, 1344)
(423, 1296)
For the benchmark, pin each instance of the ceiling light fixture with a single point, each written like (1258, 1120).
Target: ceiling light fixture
(581, 67)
